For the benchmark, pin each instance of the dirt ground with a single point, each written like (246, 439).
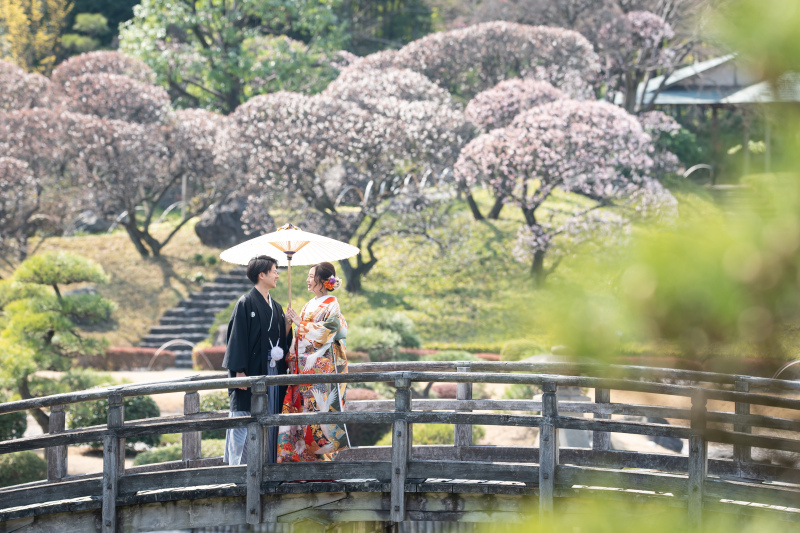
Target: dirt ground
(83, 460)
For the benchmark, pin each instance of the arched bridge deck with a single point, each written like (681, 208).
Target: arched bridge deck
(463, 482)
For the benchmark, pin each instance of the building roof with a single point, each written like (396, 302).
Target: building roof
(721, 80)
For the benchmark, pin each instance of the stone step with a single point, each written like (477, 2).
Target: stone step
(232, 280)
(186, 320)
(241, 288)
(178, 329)
(217, 295)
(204, 304)
(161, 338)
(194, 312)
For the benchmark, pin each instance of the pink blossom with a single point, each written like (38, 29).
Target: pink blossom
(470, 60)
(497, 107)
(116, 97)
(102, 62)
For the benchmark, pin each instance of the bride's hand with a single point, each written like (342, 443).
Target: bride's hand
(291, 315)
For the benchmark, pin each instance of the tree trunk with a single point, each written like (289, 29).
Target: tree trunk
(137, 242)
(537, 268)
(476, 212)
(353, 274)
(41, 418)
(494, 214)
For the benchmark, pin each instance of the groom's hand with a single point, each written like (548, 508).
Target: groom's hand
(241, 375)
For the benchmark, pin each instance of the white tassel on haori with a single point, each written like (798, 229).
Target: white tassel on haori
(276, 354)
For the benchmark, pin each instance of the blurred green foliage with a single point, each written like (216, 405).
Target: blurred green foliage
(12, 425)
(612, 513)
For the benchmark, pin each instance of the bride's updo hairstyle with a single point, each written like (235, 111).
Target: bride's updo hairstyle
(325, 273)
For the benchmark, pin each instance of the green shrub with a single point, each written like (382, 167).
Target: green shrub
(520, 349)
(368, 434)
(472, 347)
(95, 414)
(451, 355)
(212, 448)
(520, 392)
(381, 345)
(174, 452)
(171, 438)
(12, 425)
(159, 455)
(21, 467)
(435, 434)
(215, 401)
(396, 322)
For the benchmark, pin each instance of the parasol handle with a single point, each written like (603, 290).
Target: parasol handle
(289, 275)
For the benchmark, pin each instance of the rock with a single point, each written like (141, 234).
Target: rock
(87, 222)
(221, 338)
(221, 224)
(83, 290)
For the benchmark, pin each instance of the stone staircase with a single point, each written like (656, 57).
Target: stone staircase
(192, 318)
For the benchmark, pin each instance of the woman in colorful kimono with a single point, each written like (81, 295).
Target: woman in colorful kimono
(318, 347)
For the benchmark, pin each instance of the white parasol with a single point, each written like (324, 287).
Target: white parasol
(298, 247)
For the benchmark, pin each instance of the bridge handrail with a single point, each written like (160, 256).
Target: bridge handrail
(194, 385)
(402, 416)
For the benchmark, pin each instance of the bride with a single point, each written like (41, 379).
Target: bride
(318, 347)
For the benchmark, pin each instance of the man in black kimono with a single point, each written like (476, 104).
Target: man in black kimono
(258, 338)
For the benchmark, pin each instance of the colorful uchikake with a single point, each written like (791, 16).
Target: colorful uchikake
(332, 283)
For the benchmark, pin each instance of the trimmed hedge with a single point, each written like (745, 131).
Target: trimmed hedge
(128, 358)
(210, 354)
(520, 349)
(434, 434)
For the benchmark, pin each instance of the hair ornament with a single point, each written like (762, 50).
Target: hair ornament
(333, 283)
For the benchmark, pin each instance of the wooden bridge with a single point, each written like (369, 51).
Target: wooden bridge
(407, 484)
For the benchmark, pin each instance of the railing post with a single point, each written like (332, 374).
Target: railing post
(463, 432)
(698, 461)
(601, 440)
(256, 452)
(57, 455)
(548, 449)
(741, 453)
(401, 451)
(113, 461)
(191, 439)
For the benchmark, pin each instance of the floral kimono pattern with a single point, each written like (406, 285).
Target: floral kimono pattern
(318, 347)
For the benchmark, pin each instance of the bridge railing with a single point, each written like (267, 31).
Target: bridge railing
(550, 470)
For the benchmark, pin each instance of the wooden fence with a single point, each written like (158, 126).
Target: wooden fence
(693, 481)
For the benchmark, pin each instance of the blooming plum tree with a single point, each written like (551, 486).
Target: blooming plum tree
(361, 140)
(498, 106)
(20, 90)
(470, 60)
(128, 165)
(594, 149)
(19, 202)
(117, 97)
(102, 62)
(634, 47)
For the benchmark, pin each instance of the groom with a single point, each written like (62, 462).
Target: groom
(258, 337)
